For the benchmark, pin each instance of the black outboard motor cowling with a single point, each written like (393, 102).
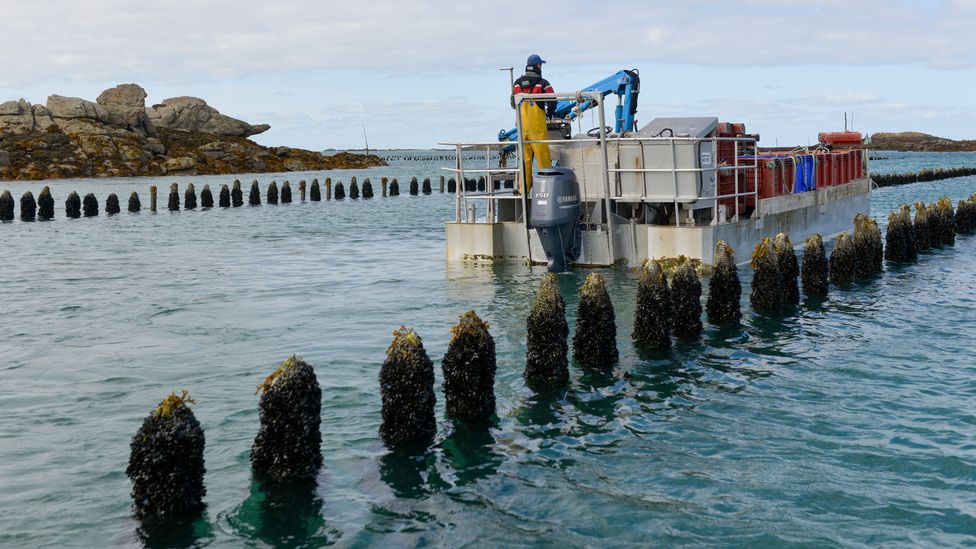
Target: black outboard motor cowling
(555, 216)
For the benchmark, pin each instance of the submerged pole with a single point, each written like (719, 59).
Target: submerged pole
(383, 186)
(654, 311)
(190, 197)
(328, 188)
(254, 197)
(595, 340)
(724, 288)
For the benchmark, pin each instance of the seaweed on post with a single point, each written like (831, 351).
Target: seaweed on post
(843, 262)
(966, 216)
(254, 198)
(190, 197)
(286, 193)
(789, 268)
(451, 185)
(166, 464)
(654, 309)
(815, 273)
(315, 194)
(724, 288)
(768, 292)
(595, 340)
(407, 390)
(546, 363)
(206, 197)
(868, 247)
(469, 370)
(174, 198)
(923, 233)
(135, 204)
(900, 237)
(288, 445)
(686, 291)
(89, 205)
(112, 204)
(236, 195)
(28, 207)
(340, 191)
(72, 206)
(45, 204)
(947, 221)
(414, 188)
(272, 193)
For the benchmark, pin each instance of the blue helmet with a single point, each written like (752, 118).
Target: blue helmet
(534, 60)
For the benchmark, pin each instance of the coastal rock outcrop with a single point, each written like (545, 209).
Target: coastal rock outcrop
(193, 114)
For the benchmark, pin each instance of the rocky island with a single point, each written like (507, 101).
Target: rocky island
(118, 135)
(916, 141)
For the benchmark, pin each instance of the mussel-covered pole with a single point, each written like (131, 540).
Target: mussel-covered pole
(654, 310)
(286, 193)
(289, 442)
(768, 294)
(72, 205)
(328, 188)
(546, 364)
(367, 189)
(353, 189)
(135, 204)
(206, 197)
(315, 194)
(923, 239)
(394, 187)
(595, 340)
(340, 191)
(451, 185)
(966, 216)
(900, 237)
(28, 207)
(469, 370)
(6, 206)
(152, 198)
(868, 248)
(89, 205)
(815, 273)
(45, 204)
(789, 268)
(236, 194)
(190, 197)
(166, 463)
(223, 198)
(254, 198)
(272, 193)
(724, 288)
(425, 188)
(414, 188)
(843, 262)
(112, 204)
(407, 391)
(686, 291)
(174, 198)
(946, 226)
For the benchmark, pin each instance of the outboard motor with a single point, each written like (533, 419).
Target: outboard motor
(555, 216)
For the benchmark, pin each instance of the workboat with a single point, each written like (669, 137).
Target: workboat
(672, 187)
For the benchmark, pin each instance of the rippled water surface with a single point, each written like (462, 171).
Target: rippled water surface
(851, 423)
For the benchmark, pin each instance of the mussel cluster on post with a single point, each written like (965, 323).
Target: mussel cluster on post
(815, 272)
(354, 189)
(272, 194)
(923, 229)
(724, 288)
(686, 291)
(469, 370)
(166, 463)
(425, 188)
(868, 247)
(45, 204)
(236, 194)
(206, 197)
(288, 445)
(789, 268)
(190, 197)
(394, 187)
(367, 189)
(943, 221)
(28, 207)
(413, 186)
(595, 340)
(6, 206)
(966, 216)
(135, 204)
(340, 191)
(843, 261)
(654, 309)
(315, 194)
(546, 364)
(174, 198)
(112, 204)
(286, 193)
(407, 391)
(900, 245)
(768, 292)
(72, 206)
(254, 197)
(89, 205)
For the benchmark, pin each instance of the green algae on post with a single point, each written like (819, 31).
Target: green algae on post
(789, 268)
(254, 197)
(112, 204)
(315, 194)
(166, 464)
(407, 391)
(89, 205)
(768, 292)
(72, 205)
(285, 193)
(288, 445)
(900, 246)
(28, 207)
(815, 273)
(654, 309)
(272, 193)
(469, 370)
(174, 198)
(595, 340)
(686, 291)
(724, 288)
(236, 194)
(546, 363)
(206, 197)
(134, 203)
(45, 204)
(843, 263)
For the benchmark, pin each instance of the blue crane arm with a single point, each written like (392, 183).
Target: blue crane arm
(625, 84)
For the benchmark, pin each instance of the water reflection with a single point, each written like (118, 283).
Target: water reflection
(470, 451)
(411, 473)
(190, 531)
(284, 515)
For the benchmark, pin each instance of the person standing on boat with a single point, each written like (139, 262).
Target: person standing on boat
(534, 115)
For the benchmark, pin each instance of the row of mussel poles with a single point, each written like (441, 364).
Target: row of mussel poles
(166, 464)
(43, 207)
(925, 175)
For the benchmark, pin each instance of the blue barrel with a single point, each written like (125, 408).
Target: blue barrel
(804, 180)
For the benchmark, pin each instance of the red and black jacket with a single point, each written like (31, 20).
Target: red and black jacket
(533, 82)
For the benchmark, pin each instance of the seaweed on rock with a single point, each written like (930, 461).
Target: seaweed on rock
(595, 340)
(407, 391)
(45, 204)
(72, 206)
(546, 364)
(28, 207)
(768, 290)
(288, 445)
(654, 309)
(135, 204)
(166, 464)
(469, 370)
(89, 205)
(686, 291)
(815, 273)
(112, 204)
(206, 197)
(843, 261)
(724, 288)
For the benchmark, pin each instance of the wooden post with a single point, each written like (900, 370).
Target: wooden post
(328, 188)
(301, 189)
(442, 184)
(383, 185)
(152, 198)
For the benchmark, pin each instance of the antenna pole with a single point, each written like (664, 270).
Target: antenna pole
(366, 139)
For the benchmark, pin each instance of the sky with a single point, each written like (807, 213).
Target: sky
(417, 73)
